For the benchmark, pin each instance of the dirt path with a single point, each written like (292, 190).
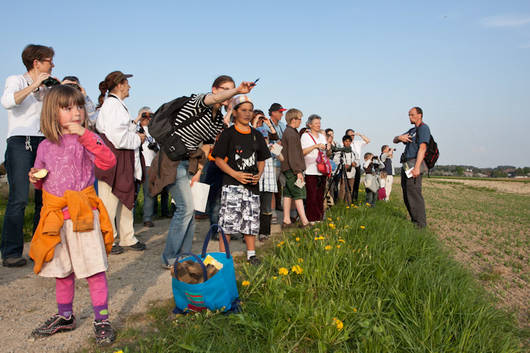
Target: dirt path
(135, 280)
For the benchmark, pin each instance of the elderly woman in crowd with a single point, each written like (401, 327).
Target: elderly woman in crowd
(313, 141)
(117, 185)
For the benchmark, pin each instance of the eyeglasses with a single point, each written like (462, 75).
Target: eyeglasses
(48, 60)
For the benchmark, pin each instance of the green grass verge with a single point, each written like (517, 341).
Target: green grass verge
(370, 282)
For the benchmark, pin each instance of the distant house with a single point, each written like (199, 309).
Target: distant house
(468, 173)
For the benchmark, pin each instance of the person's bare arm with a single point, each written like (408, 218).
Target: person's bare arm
(405, 138)
(243, 178)
(419, 159)
(365, 139)
(23, 93)
(223, 95)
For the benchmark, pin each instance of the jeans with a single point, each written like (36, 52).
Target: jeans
(371, 197)
(356, 184)
(214, 178)
(182, 225)
(19, 159)
(148, 201)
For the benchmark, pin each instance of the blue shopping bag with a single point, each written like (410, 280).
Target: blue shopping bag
(217, 293)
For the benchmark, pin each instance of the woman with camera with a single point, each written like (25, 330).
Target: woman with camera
(117, 186)
(22, 98)
(314, 142)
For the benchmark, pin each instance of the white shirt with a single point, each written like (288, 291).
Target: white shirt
(357, 146)
(22, 119)
(116, 123)
(311, 157)
(148, 153)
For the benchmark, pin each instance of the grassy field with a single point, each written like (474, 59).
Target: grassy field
(367, 281)
(489, 232)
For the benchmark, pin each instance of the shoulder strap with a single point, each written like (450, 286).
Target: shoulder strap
(312, 138)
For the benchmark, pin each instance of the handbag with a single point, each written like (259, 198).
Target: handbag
(323, 163)
(216, 293)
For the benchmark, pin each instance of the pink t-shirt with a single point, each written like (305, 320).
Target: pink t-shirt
(70, 163)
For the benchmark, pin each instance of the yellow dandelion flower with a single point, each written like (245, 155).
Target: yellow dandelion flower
(329, 219)
(354, 310)
(300, 260)
(280, 243)
(342, 240)
(297, 239)
(283, 271)
(327, 247)
(120, 351)
(297, 269)
(338, 246)
(338, 323)
(362, 227)
(245, 283)
(274, 277)
(347, 206)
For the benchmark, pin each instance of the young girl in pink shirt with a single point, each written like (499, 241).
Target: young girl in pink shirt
(74, 234)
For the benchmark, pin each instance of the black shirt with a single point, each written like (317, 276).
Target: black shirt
(242, 152)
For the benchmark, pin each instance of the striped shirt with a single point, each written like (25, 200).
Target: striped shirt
(203, 128)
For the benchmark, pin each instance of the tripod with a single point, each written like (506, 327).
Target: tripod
(338, 176)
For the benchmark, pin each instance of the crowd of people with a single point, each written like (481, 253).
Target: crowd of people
(88, 163)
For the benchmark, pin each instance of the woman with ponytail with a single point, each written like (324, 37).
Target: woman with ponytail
(116, 186)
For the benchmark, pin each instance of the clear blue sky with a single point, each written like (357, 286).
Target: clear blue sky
(358, 65)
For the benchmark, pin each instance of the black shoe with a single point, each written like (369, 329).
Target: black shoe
(263, 237)
(139, 246)
(116, 249)
(149, 224)
(56, 323)
(104, 332)
(253, 260)
(14, 262)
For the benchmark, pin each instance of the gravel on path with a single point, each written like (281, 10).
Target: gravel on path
(136, 279)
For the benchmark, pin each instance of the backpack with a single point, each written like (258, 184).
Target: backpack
(432, 153)
(163, 129)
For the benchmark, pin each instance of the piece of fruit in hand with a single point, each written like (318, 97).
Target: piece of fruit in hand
(41, 174)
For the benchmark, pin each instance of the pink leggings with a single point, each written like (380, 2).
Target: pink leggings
(97, 284)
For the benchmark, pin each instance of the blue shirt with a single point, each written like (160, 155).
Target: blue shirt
(280, 128)
(418, 135)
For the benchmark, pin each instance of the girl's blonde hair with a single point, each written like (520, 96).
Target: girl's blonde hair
(60, 96)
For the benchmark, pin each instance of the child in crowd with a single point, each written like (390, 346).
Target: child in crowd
(74, 234)
(240, 153)
(350, 160)
(371, 180)
(387, 177)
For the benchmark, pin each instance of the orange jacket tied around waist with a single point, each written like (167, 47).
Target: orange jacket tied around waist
(80, 205)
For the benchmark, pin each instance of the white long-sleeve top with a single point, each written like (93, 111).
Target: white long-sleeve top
(22, 119)
(116, 123)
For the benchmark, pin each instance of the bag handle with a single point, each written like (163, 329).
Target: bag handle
(204, 273)
(213, 229)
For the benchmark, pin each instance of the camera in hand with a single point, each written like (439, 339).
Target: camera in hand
(50, 82)
(146, 115)
(376, 164)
